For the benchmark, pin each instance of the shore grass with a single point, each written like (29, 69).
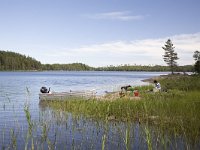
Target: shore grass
(176, 110)
(181, 82)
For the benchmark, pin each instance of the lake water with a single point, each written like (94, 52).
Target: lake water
(65, 131)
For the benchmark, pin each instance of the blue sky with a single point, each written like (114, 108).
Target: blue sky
(100, 32)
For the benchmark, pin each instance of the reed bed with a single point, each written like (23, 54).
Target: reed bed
(175, 112)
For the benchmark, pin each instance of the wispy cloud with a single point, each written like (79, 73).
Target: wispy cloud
(116, 15)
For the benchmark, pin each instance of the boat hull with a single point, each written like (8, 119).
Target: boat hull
(67, 95)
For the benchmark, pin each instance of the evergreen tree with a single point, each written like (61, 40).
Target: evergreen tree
(170, 56)
(196, 57)
(15, 61)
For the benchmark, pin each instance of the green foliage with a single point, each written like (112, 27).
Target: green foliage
(181, 82)
(170, 56)
(14, 61)
(11, 61)
(175, 111)
(196, 57)
(68, 67)
(197, 67)
(186, 68)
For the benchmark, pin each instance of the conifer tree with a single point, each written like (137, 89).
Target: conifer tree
(170, 55)
(196, 57)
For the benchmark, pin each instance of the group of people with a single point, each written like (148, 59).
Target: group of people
(157, 88)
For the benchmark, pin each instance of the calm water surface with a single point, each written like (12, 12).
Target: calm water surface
(18, 89)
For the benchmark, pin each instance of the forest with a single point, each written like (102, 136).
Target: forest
(11, 61)
(186, 68)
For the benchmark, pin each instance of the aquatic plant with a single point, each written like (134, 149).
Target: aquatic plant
(175, 111)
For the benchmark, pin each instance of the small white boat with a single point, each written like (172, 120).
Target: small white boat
(67, 95)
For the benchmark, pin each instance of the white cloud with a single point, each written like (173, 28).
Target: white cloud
(116, 15)
(187, 43)
(145, 52)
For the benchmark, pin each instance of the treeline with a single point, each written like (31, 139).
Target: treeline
(83, 67)
(187, 68)
(11, 61)
(15, 61)
(68, 67)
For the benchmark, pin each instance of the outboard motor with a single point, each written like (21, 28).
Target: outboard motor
(44, 90)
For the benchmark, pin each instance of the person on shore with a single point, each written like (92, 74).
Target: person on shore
(157, 87)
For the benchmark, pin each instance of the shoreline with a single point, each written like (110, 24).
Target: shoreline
(115, 95)
(150, 80)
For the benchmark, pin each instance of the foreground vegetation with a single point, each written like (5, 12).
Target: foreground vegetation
(162, 120)
(175, 112)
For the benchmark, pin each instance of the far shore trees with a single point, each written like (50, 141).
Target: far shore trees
(170, 55)
(196, 57)
(11, 61)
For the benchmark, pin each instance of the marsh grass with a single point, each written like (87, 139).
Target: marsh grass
(181, 82)
(175, 111)
(177, 114)
(13, 139)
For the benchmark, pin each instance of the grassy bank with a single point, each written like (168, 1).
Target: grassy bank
(176, 110)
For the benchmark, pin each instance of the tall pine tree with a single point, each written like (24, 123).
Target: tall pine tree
(170, 55)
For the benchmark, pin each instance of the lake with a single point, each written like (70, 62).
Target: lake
(19, 100)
